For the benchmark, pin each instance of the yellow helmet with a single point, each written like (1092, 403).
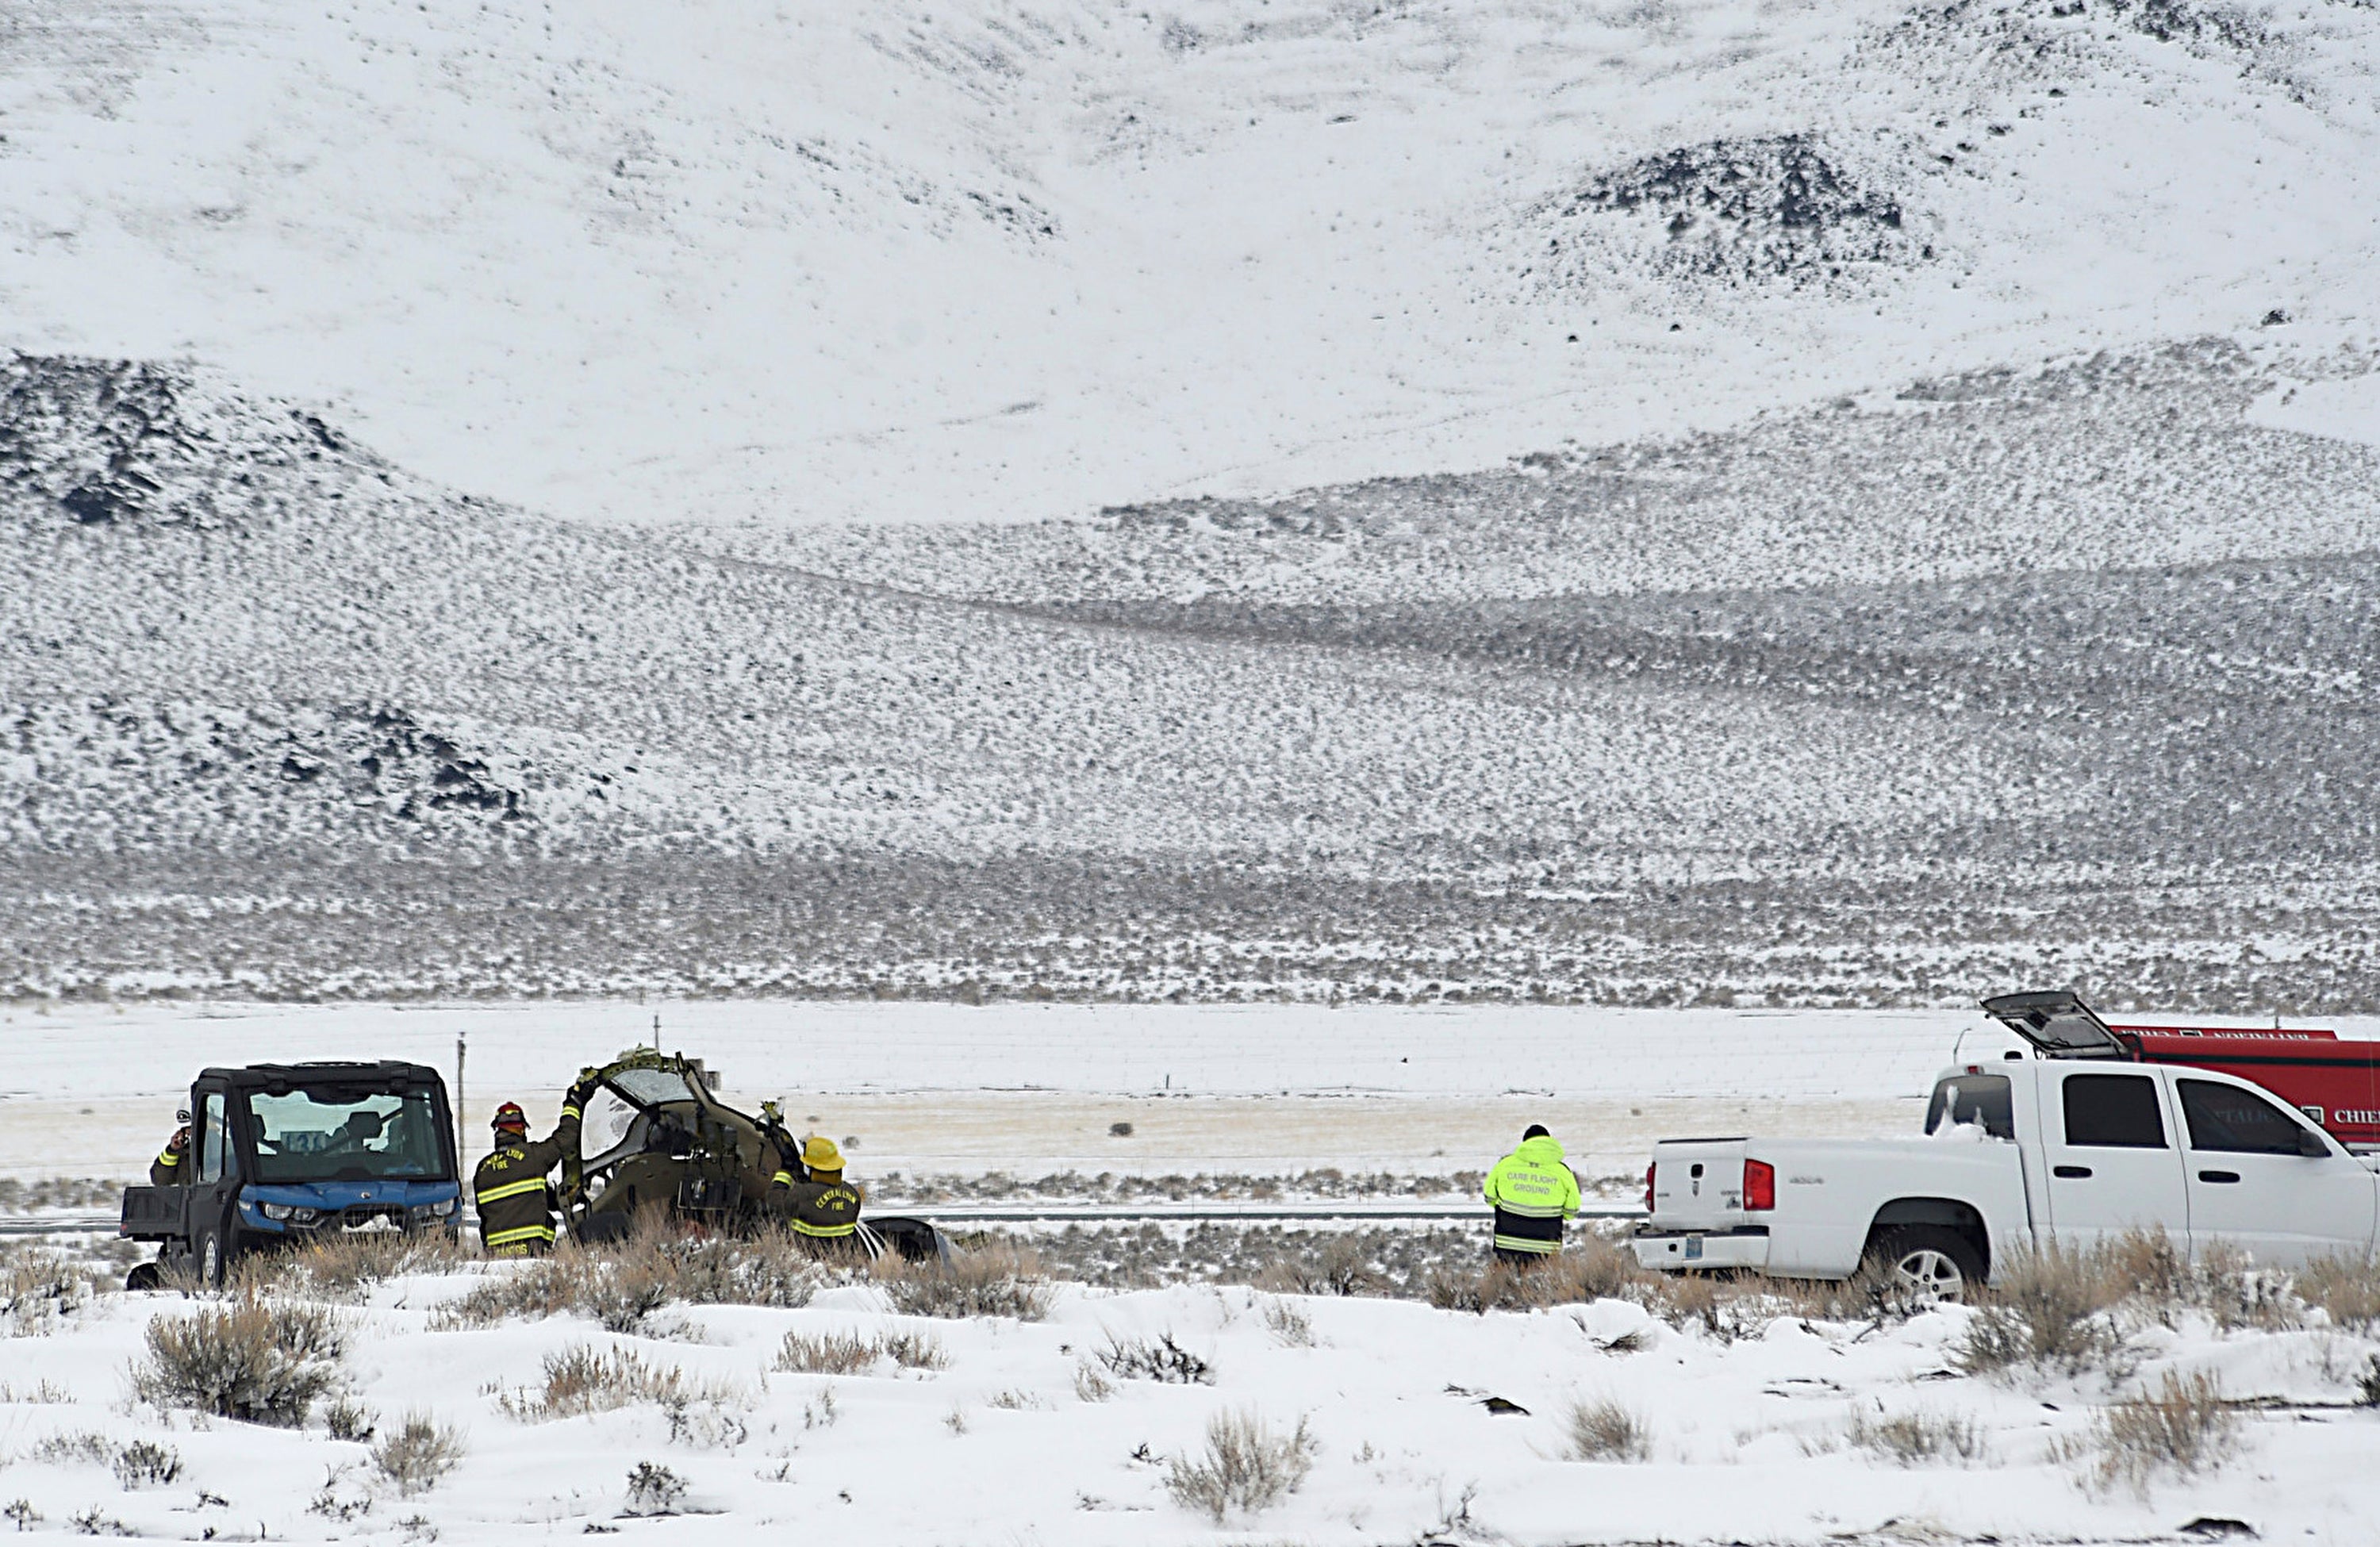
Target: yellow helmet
(820, 1154)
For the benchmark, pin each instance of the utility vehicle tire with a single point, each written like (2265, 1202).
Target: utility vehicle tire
(144, 1276)
(210, 1258)
(1927, 1264)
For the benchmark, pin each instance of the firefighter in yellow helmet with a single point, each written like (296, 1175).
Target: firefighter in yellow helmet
(824, 1210)
(515, 1204)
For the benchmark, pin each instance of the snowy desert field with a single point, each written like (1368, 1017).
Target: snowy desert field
(676, 1389)
(91, 1090)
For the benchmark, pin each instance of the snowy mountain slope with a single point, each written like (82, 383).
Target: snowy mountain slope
(286, 718)
(980, 259)
(2158, 457)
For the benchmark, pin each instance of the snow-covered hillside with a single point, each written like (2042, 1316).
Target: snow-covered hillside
(937, 259)
(1316, 584)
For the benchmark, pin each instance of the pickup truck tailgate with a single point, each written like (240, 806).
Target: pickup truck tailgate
(1698, 1183)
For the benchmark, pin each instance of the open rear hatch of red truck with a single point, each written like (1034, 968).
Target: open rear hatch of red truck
(2336, 1082)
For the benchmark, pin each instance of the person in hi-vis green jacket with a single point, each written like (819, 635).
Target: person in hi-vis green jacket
(1533, 1192)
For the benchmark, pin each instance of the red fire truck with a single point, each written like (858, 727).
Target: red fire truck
(2332, 1080)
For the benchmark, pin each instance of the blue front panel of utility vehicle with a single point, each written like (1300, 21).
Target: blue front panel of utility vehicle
(307, 1206)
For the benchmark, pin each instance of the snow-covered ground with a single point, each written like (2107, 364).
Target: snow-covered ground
(89, 1090)
(1750, 1437)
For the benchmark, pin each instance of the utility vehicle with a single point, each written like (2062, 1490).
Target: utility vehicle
(283, 1153)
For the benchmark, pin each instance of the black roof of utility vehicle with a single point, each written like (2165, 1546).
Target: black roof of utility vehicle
(390, 1072)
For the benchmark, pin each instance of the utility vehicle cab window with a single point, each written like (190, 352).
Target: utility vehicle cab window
(2226, 1118)
(2115, 1112)
(1979, 1100)
(214, 1137)
(346, 1136)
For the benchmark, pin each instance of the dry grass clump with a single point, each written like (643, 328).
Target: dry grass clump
(1248, 1468)
(1588, 1268)
(2345, 1289)
(1289, 1326)
(994, 1281)
(344, 1266)
(586, 1379)
(418, 1453)
(846, 1353)
(833, 1353)
(1604, 1431)
(2183, 1427)
(1911, 1438)
(257, 1360)
(2052, 1309)
(623, 1287)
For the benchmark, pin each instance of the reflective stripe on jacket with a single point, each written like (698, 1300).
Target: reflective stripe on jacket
(516, 1207)
(165, 1170)
(1533, 1192)
(823, 1210)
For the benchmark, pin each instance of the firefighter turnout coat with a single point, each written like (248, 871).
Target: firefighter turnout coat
(515, 1206)
(1533, 1192)
(823, 1214)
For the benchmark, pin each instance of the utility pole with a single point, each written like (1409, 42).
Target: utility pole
(657, 1033)
(459, 1118)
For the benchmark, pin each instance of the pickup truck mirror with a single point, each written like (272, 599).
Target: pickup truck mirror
(2309, 1144)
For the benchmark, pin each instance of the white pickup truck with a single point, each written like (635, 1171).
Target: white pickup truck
(2034, 1146)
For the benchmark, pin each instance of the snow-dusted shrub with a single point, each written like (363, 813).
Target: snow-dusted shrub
(653, 1489)
(1342, 1267)
(141, 1464)
(2054, 1309)
(1288, 1325)
(1910, 1438)
(258, 1360)
(93, 1522)
(2347, 1289)
(1248, 1467)
(914, 1350)
(345, 1419)
(1164, 1361)
(145, 1463)
(418, 1453)
(832, 1353)
(1091, 1384)
(1604, 1431)
(589, 1380)
(2182, 1427)
(995, 1281)
(40, 1288)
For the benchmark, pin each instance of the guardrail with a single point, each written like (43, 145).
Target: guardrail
(1040, 1213)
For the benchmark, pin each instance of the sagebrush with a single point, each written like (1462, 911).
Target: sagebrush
(1248, 1467)
(251, 1358)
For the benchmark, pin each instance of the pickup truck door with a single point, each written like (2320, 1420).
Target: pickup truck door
(2256, 1181)
(2107, 1145)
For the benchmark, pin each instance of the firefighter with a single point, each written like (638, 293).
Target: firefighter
(824, 1210)
(515, 1206)
(166, 1171)
(1533, 1192)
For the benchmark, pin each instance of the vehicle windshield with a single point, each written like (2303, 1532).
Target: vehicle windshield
(1977, 1099)
(610, 1119)
(348, 1136)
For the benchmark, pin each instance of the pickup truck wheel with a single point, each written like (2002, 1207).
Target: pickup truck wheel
(1927, 1264)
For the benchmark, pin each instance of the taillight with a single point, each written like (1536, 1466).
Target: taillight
(1759, 1185)
(1648, 1188)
